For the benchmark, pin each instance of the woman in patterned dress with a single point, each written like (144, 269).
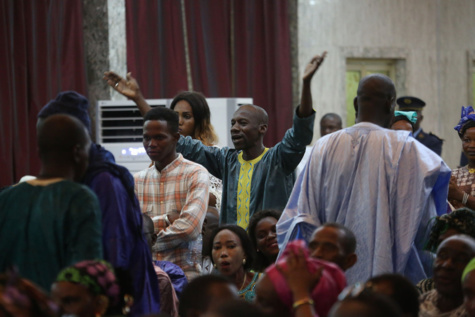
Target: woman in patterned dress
(462, 183)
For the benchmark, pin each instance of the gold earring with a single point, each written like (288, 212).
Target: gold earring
(215, 266)
(243, 261)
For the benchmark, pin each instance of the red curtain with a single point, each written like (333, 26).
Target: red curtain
(41, 54)
(155, 47)
(237, 48)
(263, 62)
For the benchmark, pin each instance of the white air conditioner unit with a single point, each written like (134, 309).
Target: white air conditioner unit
(119, 127)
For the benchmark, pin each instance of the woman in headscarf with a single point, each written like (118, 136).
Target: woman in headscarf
(462, 183)
(88, 289)
(404, 120)
(298, 285)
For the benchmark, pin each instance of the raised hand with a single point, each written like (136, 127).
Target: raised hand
(128, 87)
(297, 275)
(312, 67)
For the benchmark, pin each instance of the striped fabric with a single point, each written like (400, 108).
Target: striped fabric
(180, 187)
(244, 189)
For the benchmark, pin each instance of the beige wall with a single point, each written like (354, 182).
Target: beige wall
(435, 38)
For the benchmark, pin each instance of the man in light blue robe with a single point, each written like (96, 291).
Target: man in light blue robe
(381, 184)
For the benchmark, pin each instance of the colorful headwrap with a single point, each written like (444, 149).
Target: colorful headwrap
(96, 275)
(20, 296)
(462, 220)
(468, 114)
(325, 294)
(469, 268)
(410, 115)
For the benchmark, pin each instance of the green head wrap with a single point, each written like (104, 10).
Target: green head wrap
(469, 268)
(410, 115)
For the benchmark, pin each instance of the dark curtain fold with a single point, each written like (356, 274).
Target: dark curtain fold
(155, 47)
(237, 48)
(208, 29)
(41, 54)
(263, 65)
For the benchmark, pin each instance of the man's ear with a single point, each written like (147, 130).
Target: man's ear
(176, 136)
(263, 128)
(350, 260)
(355, 104)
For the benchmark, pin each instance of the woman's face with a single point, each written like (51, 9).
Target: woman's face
(73, 299)
(266, 238)
(228, 252)
(186, 123)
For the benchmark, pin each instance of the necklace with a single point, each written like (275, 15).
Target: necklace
(243, 282)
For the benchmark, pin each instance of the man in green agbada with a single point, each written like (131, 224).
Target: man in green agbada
(52, 222)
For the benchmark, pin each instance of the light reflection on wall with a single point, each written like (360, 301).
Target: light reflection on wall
(133, 151)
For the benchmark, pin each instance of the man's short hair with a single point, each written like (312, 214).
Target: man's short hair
(196, 295)
(349, 239)
(60, 133)
(331, 115)
(163, 114)
(404, 293)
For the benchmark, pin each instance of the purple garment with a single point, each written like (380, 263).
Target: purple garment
(176, 274)
(123, 241)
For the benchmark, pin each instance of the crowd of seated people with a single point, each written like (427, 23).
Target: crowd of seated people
(208, 231)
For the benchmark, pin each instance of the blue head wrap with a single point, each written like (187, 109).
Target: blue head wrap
(468, 114)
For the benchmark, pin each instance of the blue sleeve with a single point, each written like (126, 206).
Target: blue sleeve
(211, 157)
(292, 147)
(116, 236)
(83, 239)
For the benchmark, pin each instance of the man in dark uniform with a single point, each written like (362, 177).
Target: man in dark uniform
(430, 140)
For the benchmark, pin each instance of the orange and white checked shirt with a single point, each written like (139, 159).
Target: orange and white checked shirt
(181, 186)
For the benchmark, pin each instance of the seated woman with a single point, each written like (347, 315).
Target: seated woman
(404, 120)
(298, 285)
(263, 236)
(194, 118)
(232, 255)
(462, 183)
(460, 221)
(88, 289)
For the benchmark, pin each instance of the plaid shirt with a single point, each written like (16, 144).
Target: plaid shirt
(181, 186)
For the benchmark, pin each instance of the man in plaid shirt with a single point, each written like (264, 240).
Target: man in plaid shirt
(173, 192)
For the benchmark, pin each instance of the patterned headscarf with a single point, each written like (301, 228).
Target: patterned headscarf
(467, 115)
(96, 275)
(462, 220)
(20, 296)
(325, 294)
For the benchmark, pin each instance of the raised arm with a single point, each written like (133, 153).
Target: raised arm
(129, 88)
(305, 108)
